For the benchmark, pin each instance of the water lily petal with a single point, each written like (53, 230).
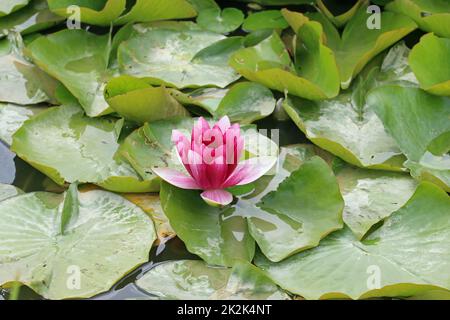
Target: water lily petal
(178, 136)
(176, 178)
(234, 143)
(182, 144)
(250, 170)
(197, 169)
(197, 131)
(216, 167)
(217, 197)
(213, 138)
(223, 124)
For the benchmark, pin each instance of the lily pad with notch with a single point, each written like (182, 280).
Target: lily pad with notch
(75, 233)
(68, 146)
(191, 279)
(339, 267)
(180, 58)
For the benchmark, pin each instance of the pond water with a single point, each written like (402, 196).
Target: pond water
(15, 171)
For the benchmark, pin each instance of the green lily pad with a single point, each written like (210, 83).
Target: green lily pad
(247, 282)
(136, 100)
(278, 2)
(381, 2)
(8, 191)
(279, 232)
(358, 44)
(347, 126)
(207, 99)
(395, 67)
(215, 234)
(82, 69)
(9, 6)
(22, 82)
(191, 279)
(225, 21)
(371, 196)
(408, 255)
(246, 102)
(255, 37)
(101, 13)
(430, 15)
(153, 10)
(354, 134)
(184, 280)
(34, 17)
(151, 204)
(243, 102)
(268, 19)
(70, 259)
(342, 18)
(315, 75)
(418, 121)
(433, 77)
(68, 146)
(12, 118)
(432, 295)
(131, 30)
(297, 19)
(331, 36)
(184, 58)
(200, 5)
(302, 210)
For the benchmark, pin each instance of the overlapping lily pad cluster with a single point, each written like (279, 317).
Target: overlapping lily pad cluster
(360, 209)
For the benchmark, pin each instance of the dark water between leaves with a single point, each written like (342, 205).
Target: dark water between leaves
(17, 172)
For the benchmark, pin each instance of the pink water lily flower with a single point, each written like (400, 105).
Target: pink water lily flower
(211, 157)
